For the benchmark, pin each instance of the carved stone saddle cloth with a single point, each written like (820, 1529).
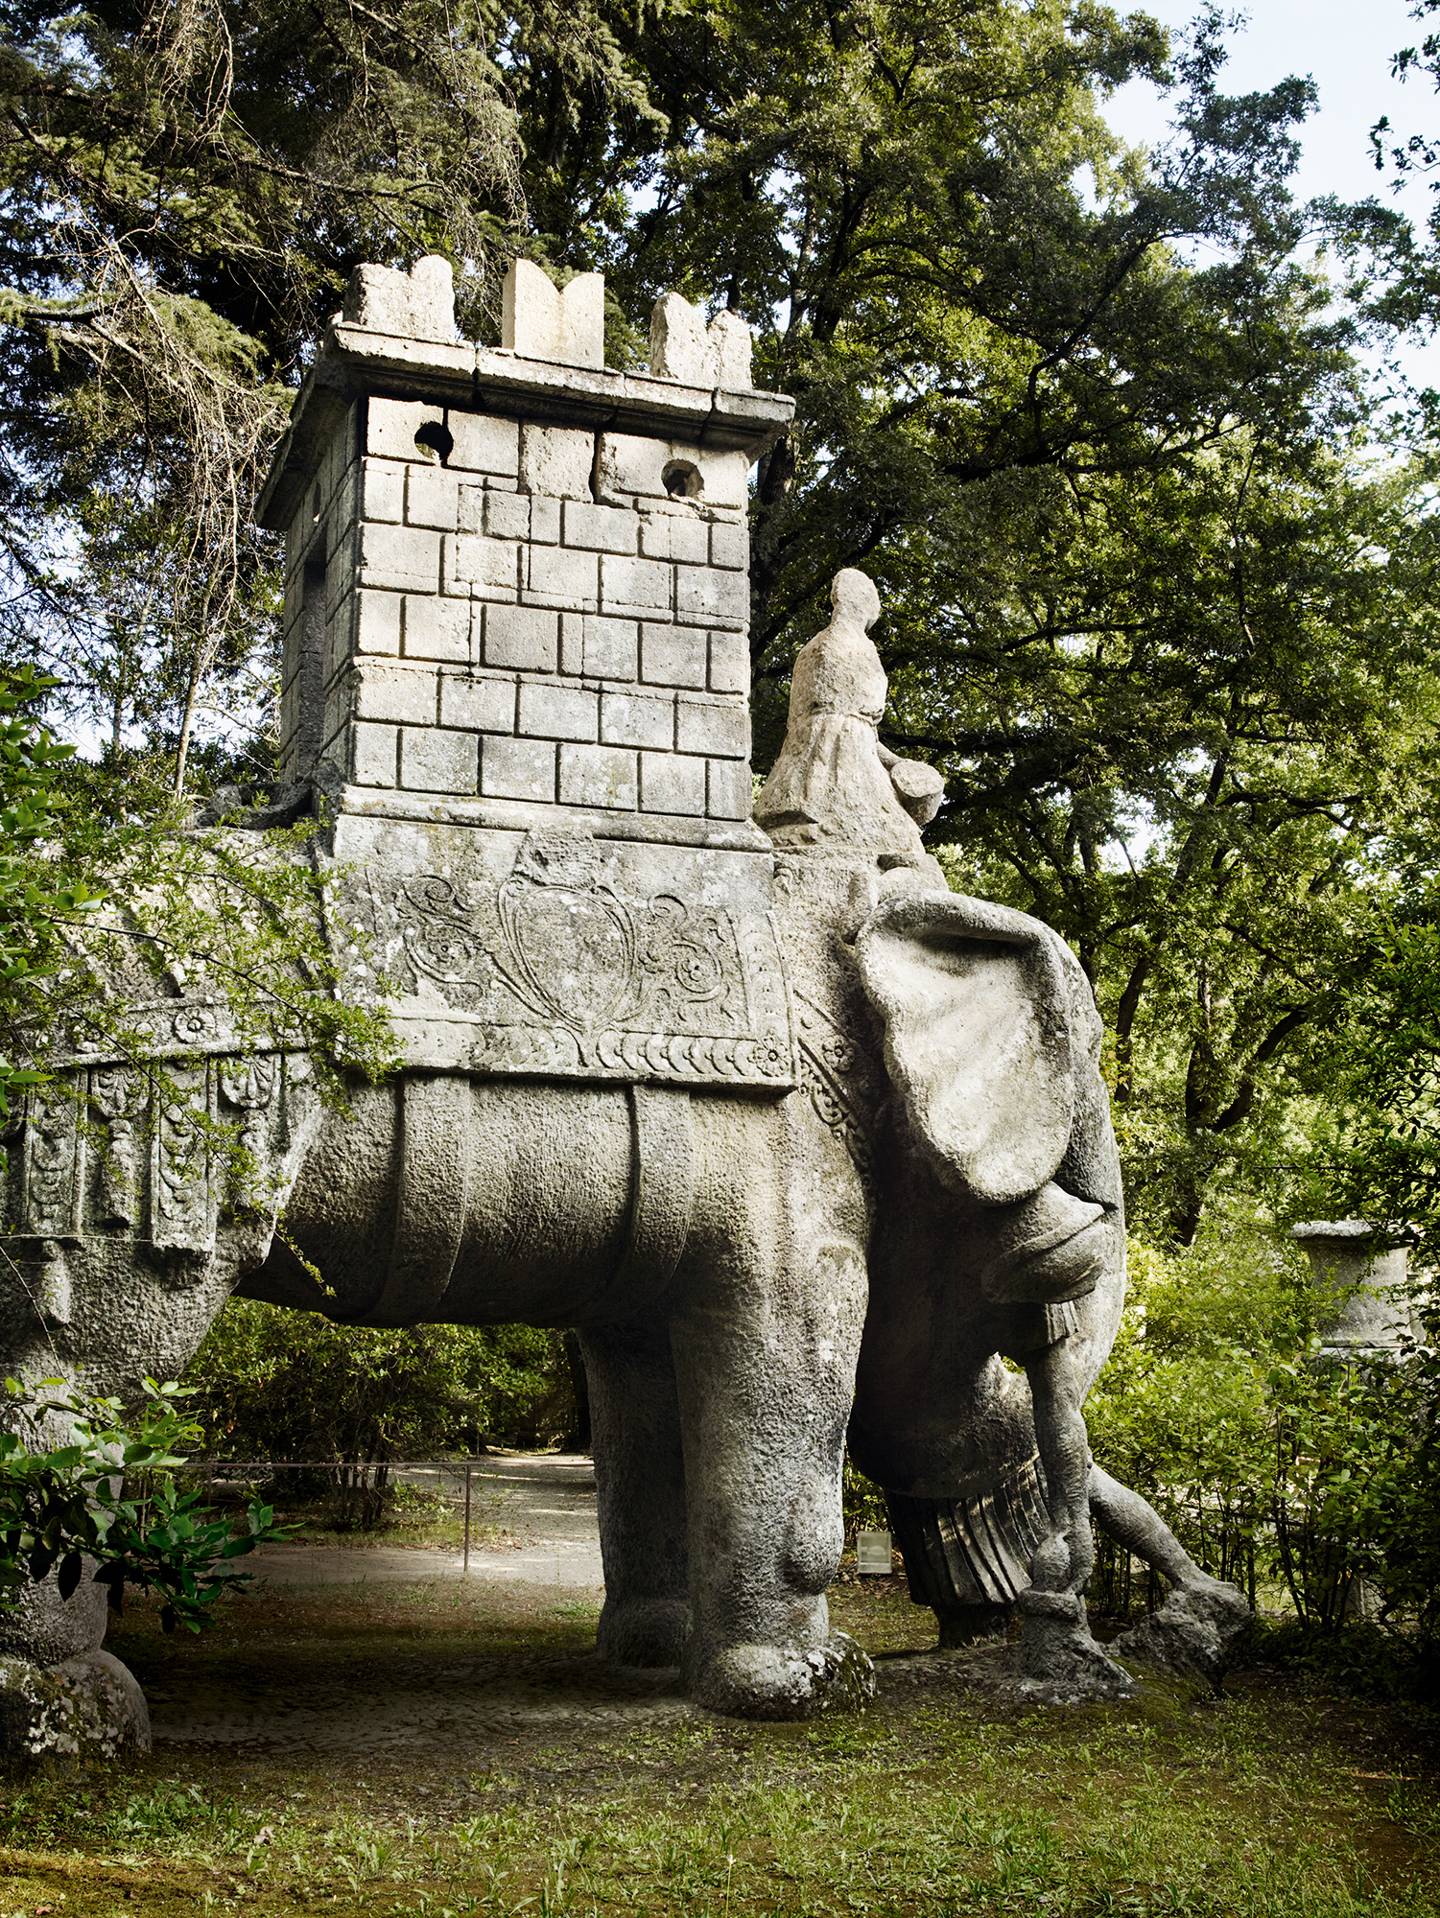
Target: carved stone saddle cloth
(557, 968)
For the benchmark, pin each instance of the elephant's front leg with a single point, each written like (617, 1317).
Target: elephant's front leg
(765, 1364)
(640, 1486)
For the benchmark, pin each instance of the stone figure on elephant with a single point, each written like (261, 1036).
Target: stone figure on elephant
(795, 1137)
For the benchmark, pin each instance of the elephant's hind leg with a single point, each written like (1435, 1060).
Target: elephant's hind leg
(640, 1483)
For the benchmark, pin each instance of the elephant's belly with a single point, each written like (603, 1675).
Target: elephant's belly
(474, 1201)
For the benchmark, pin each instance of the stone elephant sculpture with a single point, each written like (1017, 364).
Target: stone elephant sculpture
(942, 1180)
(675, 1068)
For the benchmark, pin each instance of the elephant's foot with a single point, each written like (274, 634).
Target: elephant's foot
(1195, 1631)
(1059, 1662)
(87, 1706)
(644, 1632)
(773, 1681)
(962, 1625)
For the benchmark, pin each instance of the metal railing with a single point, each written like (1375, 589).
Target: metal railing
(359, 1488)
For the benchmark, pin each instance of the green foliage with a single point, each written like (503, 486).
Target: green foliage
(282, 1384)
(108, 1493)
(184, 189)
(1316, 1477)
(40, 887)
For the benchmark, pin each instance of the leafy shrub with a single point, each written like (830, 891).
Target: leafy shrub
(109, 1496)
(279, 1384)
(1276, 1467)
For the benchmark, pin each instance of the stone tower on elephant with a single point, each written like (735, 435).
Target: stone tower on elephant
(741, 1091)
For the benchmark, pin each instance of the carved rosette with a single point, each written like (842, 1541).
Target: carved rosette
(556, 971)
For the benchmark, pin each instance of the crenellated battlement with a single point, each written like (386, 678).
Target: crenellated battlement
(517, 585)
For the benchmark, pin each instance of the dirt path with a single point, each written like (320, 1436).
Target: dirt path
(545, 1503)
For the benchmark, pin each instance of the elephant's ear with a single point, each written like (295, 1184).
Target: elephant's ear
(977, 1037)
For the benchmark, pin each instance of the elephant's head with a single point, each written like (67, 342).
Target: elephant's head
(991, 1041)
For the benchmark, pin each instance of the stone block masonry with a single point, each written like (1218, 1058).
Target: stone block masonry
(529, 600)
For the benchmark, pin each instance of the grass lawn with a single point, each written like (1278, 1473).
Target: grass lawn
(450, 1749)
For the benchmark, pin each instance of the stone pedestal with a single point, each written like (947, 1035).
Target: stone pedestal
(61, 1696)
(1359, 1283)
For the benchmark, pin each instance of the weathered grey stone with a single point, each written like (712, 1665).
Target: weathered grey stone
(403, 558)
(88, 1707)
(393, 428)
(418, 305)
(556, 460)
(606, 529)
(710, 727)
(611, 647)
(684, 347)
(433, 761)
(517, 768)
(1193, 1634)
(474, 564)
(665, 535)
(544, 322)
(572, 643)
(729, 663)
(729, 545)
(502, 515)
(557, 577)
(640, 719)
(720, 1103)
(437, 628)
(833, 781)
(432, 498)
(703, 593)
(1360, 1286)
(375, 754)
(483, 443)
(398, 691)
(673, 655)
(382, 491)
(1058, 1661)
(37, 1623)
(632, 466)
(669, 782)
(636, 585)
(377, 621)
(558, 712)
(525, 637)
(603, 776)
(545, 521)
(483, 703)
(728, 788)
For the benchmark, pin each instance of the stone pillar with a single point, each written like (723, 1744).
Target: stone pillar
(1358, 1278)
(1363, 1312)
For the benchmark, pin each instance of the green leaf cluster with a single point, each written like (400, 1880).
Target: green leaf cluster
(278, 1384)
(1310, 1475)
(106, 1504)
